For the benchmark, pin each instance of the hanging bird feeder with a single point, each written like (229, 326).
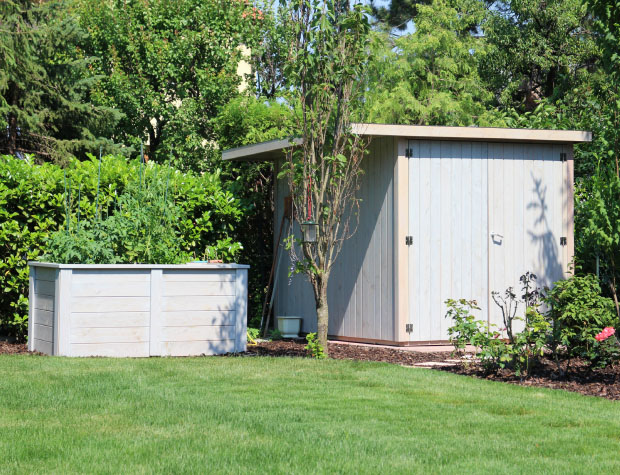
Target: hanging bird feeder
(309, 229)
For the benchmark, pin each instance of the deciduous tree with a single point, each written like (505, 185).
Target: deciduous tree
(45, 88)
(168, 65)
(324, 71)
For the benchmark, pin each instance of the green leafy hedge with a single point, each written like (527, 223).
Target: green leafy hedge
(33, 203)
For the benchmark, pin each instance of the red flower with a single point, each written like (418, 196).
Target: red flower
(606, 333)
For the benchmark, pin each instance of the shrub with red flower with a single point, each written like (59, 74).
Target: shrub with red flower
(606, 333)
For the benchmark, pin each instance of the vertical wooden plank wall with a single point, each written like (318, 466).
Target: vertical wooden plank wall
(402, 267)
(361, 290)
(448, 224)
(42, 310)
(528, 205)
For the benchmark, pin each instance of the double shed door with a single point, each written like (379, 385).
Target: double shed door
(481, 215)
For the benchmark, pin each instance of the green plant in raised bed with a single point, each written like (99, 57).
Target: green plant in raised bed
(140, 230)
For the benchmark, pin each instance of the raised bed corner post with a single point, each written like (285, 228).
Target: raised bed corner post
(241, 296)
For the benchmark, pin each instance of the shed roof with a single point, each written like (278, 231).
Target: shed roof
(275, 148)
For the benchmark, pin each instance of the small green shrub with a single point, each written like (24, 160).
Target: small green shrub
(466, 329)
(253, 334)
(275, 334)
(490, 349)
(577, 313)
(314, 347)
(521, 348)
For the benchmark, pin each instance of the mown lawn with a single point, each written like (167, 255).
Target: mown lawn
(264, 415)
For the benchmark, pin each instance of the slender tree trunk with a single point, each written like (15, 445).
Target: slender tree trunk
(322, 312)
(612, 287)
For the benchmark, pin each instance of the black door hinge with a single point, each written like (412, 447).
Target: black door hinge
(562, 157)
(408, 152)
(563, 241)
(408, 240)
(409, 327)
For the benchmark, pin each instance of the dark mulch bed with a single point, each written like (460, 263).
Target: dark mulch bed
(596, 382)
(347, 352)
(7, 348)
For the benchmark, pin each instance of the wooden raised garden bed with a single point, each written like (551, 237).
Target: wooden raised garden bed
(137, 310)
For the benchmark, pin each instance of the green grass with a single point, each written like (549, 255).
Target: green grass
(264, 415)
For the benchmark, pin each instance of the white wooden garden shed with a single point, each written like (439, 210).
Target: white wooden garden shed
(447, 212)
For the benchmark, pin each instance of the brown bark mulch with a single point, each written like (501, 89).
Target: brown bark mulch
(7, 348)
(599, 382)
(347, 352)
(581, 379)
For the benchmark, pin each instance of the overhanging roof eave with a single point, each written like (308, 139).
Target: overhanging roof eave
(261, 152)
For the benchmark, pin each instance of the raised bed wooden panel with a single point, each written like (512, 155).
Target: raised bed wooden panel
(137, 311)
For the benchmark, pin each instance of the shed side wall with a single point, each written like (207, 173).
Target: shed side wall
(361, 287)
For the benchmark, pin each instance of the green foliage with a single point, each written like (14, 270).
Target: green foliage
(398, 13)
(606, 352)
(275, 334)
(140, 231)
(246, 120)
(598, 222)
(168, 66)
(529, 343)
(253, 334)
(577, 313)
(607, 21)
(536, 50)
(466, 330)
(45, 84)
(32, 207)
(521, 348)
(314, 347)
(429, 77)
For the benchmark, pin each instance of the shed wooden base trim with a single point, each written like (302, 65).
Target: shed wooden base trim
(372, 341)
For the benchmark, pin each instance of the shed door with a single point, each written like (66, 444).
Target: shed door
(527, 216)
(480, 216)
(448, 226)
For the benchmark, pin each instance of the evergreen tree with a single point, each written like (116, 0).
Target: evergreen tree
(44, 86)
(538, 49)
(398, 13)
